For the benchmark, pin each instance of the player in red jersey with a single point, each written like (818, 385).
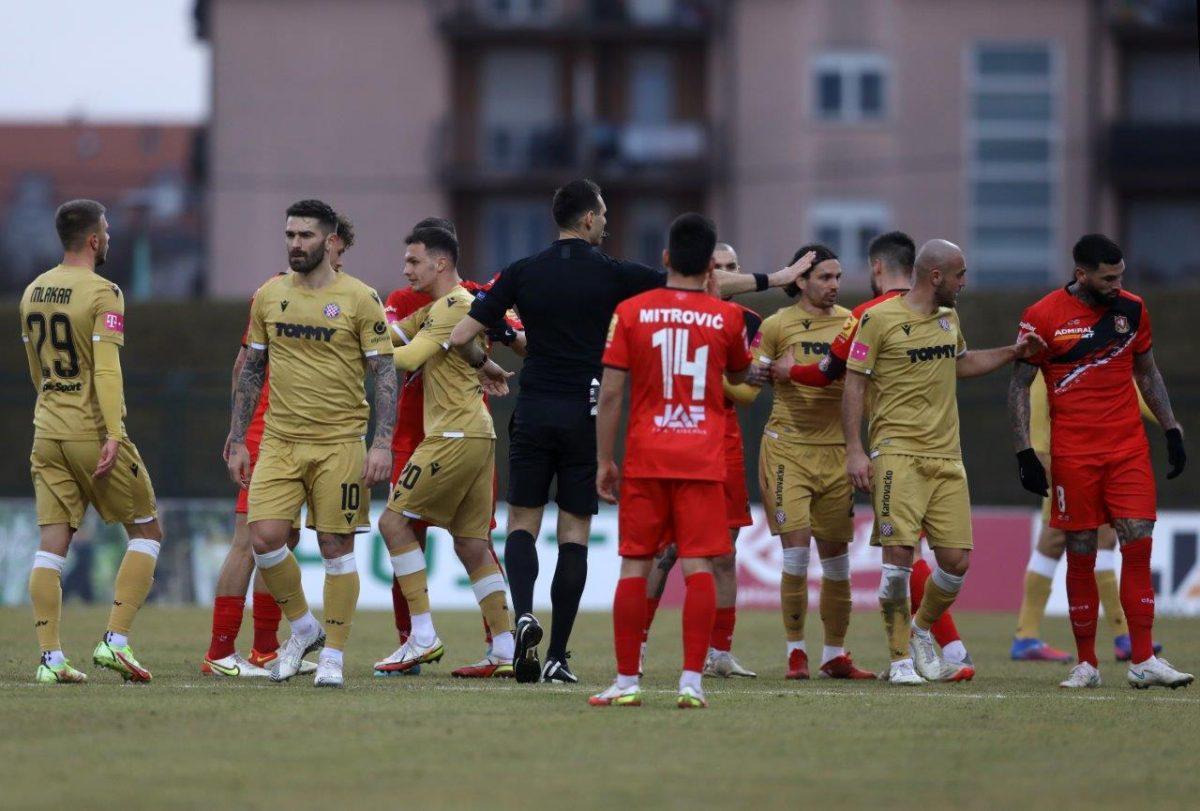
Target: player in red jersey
(673, 344)
(229, 602)
(720, 661)
(891, 257)
(1097, 338)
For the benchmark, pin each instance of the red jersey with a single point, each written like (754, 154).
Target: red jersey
(733, 431)
(676, 344)
(410, 418)
(1088, 369)
(254, 431)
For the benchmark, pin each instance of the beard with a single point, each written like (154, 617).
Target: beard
(876, 290)
(945, 299)
(102, 257)
(307, 262)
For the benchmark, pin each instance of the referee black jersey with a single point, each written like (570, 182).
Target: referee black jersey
(565, 296)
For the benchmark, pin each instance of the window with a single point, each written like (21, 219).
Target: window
(847, 228)
(651, 87)
(850, 87)
(512, 228)
(516, 11)
(1160, 239)
(651, 219)
(1162, 87)
(1014, 163)
(518, 106)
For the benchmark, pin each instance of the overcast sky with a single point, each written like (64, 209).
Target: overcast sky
(104, 60)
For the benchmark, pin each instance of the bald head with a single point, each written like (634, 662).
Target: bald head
(726, 258)
(938, 254)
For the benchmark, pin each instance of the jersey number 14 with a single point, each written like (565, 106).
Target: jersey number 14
(672, 345)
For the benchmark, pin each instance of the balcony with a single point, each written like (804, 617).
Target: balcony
(556, 21)
(1148, 23)
(676, 156)
(1154, 157)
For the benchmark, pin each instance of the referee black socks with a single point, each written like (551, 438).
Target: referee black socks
(521, 566)
(570, 575)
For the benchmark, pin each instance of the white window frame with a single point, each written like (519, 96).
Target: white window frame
(1051, 171)
(849, 216)
(850, 65)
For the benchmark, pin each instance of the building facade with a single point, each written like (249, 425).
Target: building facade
(1009, 128)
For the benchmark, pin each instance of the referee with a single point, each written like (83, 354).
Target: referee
(566, 296)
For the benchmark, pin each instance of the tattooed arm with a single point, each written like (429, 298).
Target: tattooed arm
(1154, 391)
(245, 400)
(1018, 403)
(378, 465)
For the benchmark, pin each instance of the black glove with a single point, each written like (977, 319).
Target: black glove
(1032, 474)
(1176, 455)
(502, 333)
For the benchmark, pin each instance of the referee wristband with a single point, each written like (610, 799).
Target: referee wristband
(761, 282)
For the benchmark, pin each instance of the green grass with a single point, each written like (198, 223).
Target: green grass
(1010, 738)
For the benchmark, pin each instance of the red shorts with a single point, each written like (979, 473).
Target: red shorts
(737, 498)
(1087, 491)
(400, 458)
(655, 512)
(243, 500)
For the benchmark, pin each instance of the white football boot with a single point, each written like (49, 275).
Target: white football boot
(722, 664)
(292, 653)
(235, 666)
(329, 673)
(924, 655)
(1155, 672)
(902, 673)
(1081, 676)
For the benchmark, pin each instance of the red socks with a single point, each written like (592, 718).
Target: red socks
(1137, 597)
(226, 622)
(651, 610)
(1083, 597)
(699, 614)
(400, 610)
(722, 632)
(629, 621)
(944, 630)
(267, 615)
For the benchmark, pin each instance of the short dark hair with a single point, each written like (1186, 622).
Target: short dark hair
(574, 200)
(435, 240)
(1092, 250)
(895, 249)
(75, 220)
(823, 253)
(690, 244)
(437, 222)
(345, 230)
(319, 210)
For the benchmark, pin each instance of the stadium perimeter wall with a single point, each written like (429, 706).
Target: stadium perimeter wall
(177, 371)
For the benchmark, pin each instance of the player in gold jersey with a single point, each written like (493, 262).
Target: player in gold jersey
(73, 326)
(323, 330)
(802, 468)
(906, 357)
(448, 480)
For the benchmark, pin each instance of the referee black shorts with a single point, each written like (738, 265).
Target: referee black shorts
(553, 440)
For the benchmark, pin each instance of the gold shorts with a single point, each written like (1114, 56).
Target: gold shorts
(326, 477)
(63, 485)
(806, 486)
(912, 494)
(448, 483)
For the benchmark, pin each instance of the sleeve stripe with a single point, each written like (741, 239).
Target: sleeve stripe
(25, 338)
(370, 353)
(259, 347)
(398, 331)
(95, 338)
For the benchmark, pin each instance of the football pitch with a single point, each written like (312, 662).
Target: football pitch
(1008, 739)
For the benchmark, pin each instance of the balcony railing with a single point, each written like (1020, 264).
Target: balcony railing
(1154, 156)
(577, 19)
(682, 153)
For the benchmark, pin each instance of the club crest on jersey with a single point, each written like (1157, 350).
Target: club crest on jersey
(780, 517)
(1122, 324)
(332, 311)
(680, 417)
(886, 529)
(944, 323)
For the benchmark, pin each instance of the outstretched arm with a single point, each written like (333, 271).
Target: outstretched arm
(732, 284)
(983, 361)
(378, 465)
(462, 341)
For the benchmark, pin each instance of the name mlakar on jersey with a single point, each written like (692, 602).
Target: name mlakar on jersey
(50, 295)
(674, 315)
(283, 330)
(931, 353)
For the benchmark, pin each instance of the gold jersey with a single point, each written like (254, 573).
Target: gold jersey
(454, 404)
(317, 343)
(911, 361)
(805, 414)
(63, 312)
